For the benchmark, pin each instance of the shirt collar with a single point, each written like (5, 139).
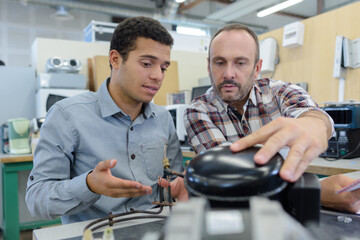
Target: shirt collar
(108, 107)
(148, 110)
(252, 96)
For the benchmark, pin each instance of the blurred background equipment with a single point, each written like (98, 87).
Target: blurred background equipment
(56, 64)
(19, 136)
(345, 143)
(61, 80)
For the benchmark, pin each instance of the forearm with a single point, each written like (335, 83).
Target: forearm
(324, 119)
(50, 199)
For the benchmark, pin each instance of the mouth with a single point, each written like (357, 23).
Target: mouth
(151, 89)
(228, 87)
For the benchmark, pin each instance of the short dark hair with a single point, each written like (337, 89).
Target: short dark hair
(127, 32)
(240, 27)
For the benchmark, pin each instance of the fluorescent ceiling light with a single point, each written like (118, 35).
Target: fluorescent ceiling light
(239, 9)
(277, 7)
(190, 31)
(180, 1)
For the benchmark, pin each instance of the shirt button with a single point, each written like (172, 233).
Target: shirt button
(131, 128)
(132, 156)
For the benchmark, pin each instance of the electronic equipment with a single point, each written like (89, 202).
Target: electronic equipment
(177, 113)
(99, 31)
(56, 64)
(182, 97)
(198, 91)
(263, 220)
(19, 138)
(46, 97)
(293, 35)
(351, 50)
(269, 53)
(61, 80)
(229, 180)
(345, 143)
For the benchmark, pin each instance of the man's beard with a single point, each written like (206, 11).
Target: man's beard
(242, 92)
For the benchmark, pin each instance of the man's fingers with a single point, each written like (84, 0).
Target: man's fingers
(273, 145)
(310, 154)
(105, 165)
(127, 188)
(297, 161)
(246, 142)
(163, 183)
(258, 137)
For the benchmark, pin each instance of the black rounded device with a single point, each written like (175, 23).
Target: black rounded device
(223, 176)
(228, 180)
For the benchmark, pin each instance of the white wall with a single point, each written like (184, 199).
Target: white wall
(191, 65)
(20, 25)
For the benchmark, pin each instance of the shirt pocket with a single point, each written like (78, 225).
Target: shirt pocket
(153, 154)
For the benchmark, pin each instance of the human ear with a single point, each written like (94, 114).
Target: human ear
(115, 58)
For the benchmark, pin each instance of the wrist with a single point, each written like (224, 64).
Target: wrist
(88, 181)
(321, 116)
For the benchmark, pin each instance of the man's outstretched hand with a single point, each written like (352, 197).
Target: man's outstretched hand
(101, 181)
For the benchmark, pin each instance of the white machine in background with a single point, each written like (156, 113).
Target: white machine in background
(293, 36)
(177, 113)
(269, 53)
(347, 55)
(351, 50)
(46, 97)
(61, 80)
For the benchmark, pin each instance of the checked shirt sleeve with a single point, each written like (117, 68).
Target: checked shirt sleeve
(202, 132)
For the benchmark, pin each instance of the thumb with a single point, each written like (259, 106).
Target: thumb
(106, 165)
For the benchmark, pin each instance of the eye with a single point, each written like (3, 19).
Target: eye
(146, 64)
(219, 63)
(241, 64)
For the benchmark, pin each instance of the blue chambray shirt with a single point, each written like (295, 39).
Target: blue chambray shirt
(83, 130)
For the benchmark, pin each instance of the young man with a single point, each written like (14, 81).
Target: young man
(102, 152)
(241, 111)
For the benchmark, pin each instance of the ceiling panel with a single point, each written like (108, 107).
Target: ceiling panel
(197, 11)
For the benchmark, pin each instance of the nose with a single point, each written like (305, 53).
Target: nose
(156, 74)
(229, 72)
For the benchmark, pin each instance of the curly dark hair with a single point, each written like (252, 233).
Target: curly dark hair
(127, 32)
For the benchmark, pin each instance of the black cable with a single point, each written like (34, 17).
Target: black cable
(110, 218)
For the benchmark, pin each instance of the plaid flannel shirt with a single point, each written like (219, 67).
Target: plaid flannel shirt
(210, 122)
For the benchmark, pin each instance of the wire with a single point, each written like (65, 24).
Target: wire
(172, 172)
(110, 219)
